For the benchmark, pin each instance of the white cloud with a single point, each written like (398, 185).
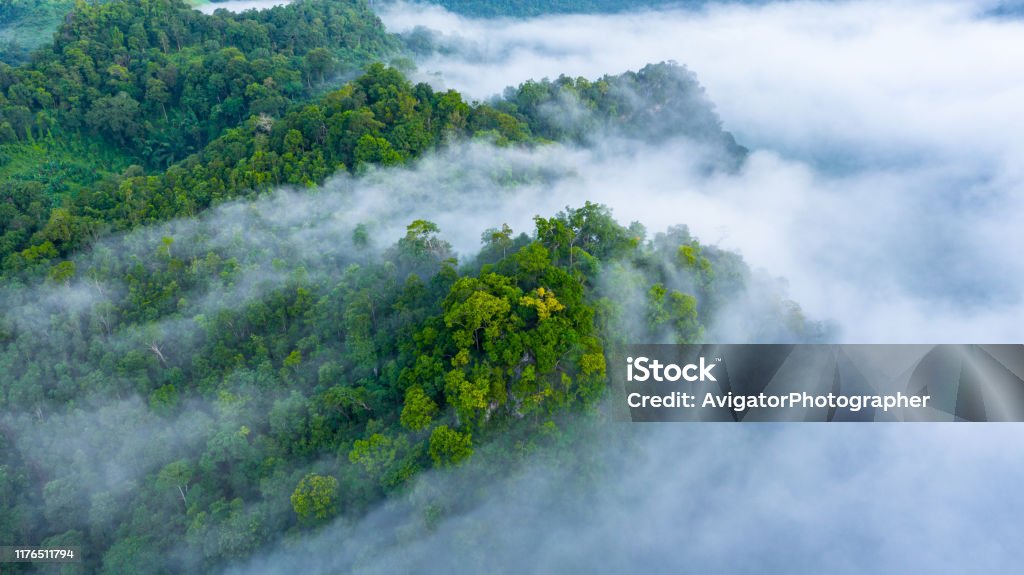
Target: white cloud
(852, 498)
(885, 184)
(795, 73)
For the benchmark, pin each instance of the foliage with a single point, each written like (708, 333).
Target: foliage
(449, 447)
(418, 409)
(173, 397)
(655, 103)
(315, 497)
(160, 79)
(380, 118)
(328, 389)
(146, 83)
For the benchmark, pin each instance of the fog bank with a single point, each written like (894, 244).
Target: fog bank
(884, 183)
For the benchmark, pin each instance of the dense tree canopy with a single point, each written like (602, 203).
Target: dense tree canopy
(379, 119)
(147, 83)
(322, 392)
(189, 371)
(158, 79)
(656, 103)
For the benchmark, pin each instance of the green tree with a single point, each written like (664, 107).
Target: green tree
(133, 556)
(315, 497)
(116, 117)
(449, 447)
(374, 454)
(176, 476)
(319, 63)
(375, 150)
(419, 409)
(63, 272)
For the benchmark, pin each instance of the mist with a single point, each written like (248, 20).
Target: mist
(721, 498)
(466, 188)
(883, 184)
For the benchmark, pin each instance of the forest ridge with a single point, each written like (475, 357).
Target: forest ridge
(183, 381)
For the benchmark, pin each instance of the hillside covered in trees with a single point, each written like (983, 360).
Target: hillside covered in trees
(181, 396)
(147, 83)
(195, 363)
(379, 119)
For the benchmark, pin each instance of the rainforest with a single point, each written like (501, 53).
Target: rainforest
(330, 286)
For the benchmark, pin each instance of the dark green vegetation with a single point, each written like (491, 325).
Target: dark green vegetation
(148, 82)
(654, 104)
(207, 390)
(157, 79)
(381, 119)
(193, 365)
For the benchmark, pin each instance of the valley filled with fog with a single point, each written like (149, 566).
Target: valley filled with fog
(883, 185)
(255, 329)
